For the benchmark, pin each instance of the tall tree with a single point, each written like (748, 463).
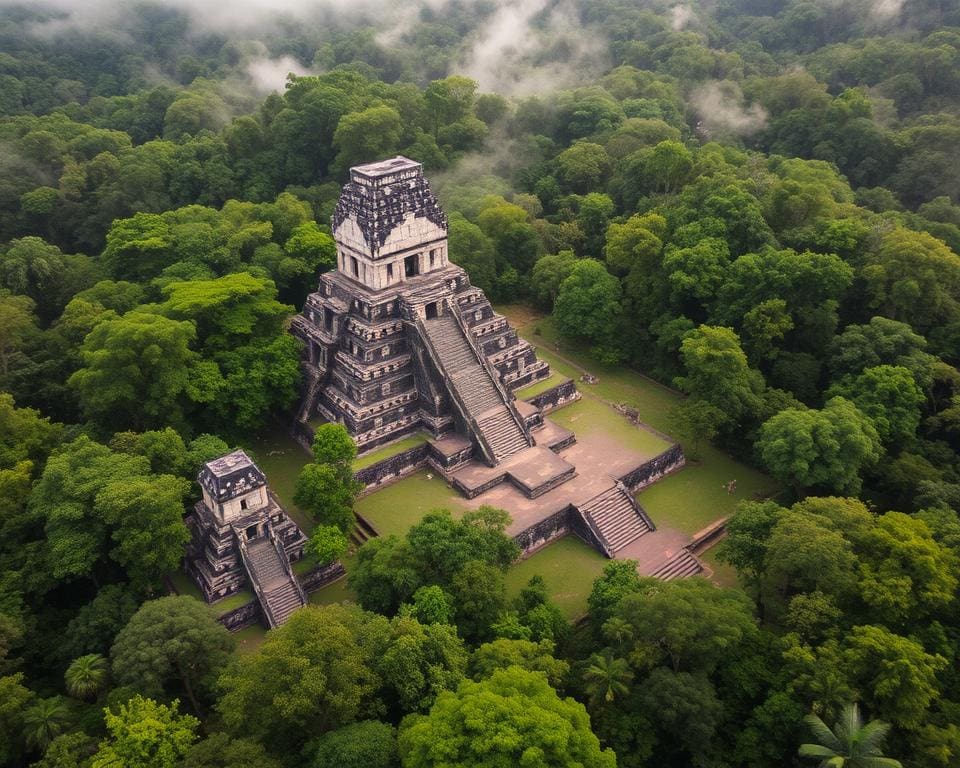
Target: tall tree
(606, 678)
(507, 719)
(170, 642)
(86, 676)
(851, 743)
(145, 734)
(829, 448)
(312, 675)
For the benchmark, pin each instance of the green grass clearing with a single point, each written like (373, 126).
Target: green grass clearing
(693, 498)
(617, 383)
(568, 566)
(400, 505)
(590, 416)
(337, 592)
(389, 451)
(538, 387)
(723, 574)
(250, 638)
(281, 458)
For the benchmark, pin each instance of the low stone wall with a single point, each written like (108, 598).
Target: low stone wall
(444, 462)
(319, 577)
(303, 434)
(705, 538)
(390, 469)
(652, 470)
(245, 616)
(563, 393)
(542, 533)
(567, 521)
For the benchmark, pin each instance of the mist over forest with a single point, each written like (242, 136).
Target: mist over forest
(747, 209)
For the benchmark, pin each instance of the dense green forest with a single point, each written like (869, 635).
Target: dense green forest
(754, 201)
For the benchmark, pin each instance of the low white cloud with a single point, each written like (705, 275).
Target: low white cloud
(720, 107)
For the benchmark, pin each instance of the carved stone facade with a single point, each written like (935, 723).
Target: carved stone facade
(397, 339)
(238, 528)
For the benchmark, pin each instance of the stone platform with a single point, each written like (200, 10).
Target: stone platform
(532, 472)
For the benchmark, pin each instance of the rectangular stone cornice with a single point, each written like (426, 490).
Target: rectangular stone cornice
(373, 370)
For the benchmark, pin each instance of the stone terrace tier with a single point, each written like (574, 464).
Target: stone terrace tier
(368, 367)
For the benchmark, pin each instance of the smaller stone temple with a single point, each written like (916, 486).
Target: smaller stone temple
(241, 536)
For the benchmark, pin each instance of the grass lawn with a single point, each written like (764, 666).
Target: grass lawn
(690, 499)
(333, 593)
(696, 496)
(589, 415)
(568, 566)
(388, 451)
(281, 458)
(617, 383)
(250, 638)
(532, 390)
(398, 506)
(186, 586)
(723, 574)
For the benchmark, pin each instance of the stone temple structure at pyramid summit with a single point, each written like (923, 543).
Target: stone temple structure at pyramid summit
(397, 341)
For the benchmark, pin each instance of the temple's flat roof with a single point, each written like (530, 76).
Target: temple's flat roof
(231, 475)
(385, 167)
(236, 461)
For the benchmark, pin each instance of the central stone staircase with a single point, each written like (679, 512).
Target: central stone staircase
(615, 515)
(475, 387)
(280, 593)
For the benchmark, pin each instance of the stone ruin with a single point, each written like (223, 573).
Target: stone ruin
(241, 537)
(396, 339)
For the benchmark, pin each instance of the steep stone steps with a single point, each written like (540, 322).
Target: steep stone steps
(679, 566)
(503, 433)
(615, 515)
(278, 587)
(283, 601)
(475, 386)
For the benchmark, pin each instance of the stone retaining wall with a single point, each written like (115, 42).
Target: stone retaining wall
(563, 393)
(303, 434)
(392, 468)
(566, 521)
(245, 616)
(319, 577)
(651, 471)
(445, 463)
(542, 533)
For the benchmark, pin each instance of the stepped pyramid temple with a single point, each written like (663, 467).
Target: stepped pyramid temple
(397, 341)
(241, 537)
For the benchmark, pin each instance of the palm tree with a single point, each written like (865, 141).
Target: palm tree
(86, 676)
(44, 721)
(850, 744)
(606, 678)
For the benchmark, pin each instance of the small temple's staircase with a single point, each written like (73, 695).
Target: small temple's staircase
(616, 516)
(474, 385)
(273, 580)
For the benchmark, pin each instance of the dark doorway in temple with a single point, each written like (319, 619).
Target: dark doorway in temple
(411, 265)
(431, 310)
(251, 532)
